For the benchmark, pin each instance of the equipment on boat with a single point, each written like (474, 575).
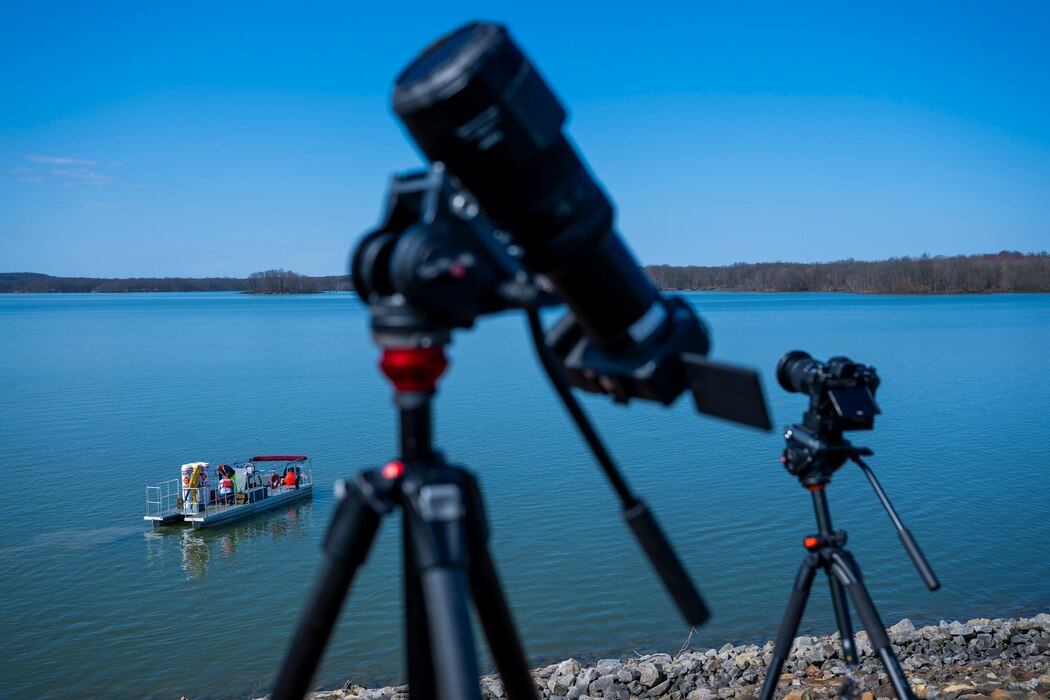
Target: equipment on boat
(241, 489)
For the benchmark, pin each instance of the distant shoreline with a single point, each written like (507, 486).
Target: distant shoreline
(1006, 272)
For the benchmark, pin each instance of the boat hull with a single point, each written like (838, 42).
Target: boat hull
(224, 515)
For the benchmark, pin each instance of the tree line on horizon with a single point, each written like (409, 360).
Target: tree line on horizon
(1006, 271)
(275, 281)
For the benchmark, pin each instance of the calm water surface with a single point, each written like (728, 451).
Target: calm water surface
(103, 394)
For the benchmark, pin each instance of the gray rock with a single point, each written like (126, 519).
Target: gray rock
(960, 630)
(649, 675)
(982, 642)
(916, 661)
(904, 632)
(492, 686)
(559, 684)
(702, 694)
(569, 667)
(585, 677)
(376, 694)
(600, 685)
(815, 655)
(659, 689)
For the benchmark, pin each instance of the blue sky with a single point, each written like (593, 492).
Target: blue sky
(222, 138)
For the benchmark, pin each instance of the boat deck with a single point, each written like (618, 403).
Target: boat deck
(165, 504)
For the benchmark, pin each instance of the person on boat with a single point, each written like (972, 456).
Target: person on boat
(290, 478)
(226, 490)
(225, 470)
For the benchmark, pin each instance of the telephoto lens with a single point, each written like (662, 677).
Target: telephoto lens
(473, 101)
(796, 371)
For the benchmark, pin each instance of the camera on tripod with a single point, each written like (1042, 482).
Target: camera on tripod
(841, 397)
(841, 392)
(506, 198)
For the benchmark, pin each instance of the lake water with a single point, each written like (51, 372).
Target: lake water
(104, 394)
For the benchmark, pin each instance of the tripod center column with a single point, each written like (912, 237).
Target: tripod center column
(414, 372)
(820, 507)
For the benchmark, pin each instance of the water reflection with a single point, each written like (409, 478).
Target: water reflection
(199, 548)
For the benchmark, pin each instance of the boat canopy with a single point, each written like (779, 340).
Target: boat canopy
(278, 458)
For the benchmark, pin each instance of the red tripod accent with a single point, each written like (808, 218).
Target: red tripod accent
(414, 369)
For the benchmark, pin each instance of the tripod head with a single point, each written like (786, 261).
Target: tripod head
(435, 264)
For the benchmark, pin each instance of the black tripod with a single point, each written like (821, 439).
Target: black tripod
(432, 267)
(814, 460)
(446, 560)
(446, 557)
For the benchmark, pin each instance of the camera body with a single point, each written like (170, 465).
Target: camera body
(841, 391)
(841, 397)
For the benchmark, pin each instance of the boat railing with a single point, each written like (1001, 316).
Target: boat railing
(195, 499)
(270, 476)
(207, 500)
(162, 499)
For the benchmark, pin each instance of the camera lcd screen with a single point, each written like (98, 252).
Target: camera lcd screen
(853, 402)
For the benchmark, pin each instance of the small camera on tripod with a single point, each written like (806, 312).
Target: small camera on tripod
(841, 391)
(841, 397)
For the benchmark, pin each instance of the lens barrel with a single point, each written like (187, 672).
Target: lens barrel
(795, 371)
(473, 101)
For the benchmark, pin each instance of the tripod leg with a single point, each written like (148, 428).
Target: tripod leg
(493, 610)
(439, 540)
(346, 545)
(451, 637)
(417, 640)
(845, 568)
(838, 601)
(500, 632)
(789, 625)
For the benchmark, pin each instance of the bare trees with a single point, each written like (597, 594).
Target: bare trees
(281, 282)
(1007, 271)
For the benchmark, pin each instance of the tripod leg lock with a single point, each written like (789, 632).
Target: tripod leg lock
(438, 518)
(441, 502)
(841, 569)
(816, 542)
(355, 521)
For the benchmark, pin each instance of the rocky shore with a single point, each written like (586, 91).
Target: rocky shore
(983, 658)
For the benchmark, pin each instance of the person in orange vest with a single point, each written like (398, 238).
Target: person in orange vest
(226, 490)
(290, 478)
